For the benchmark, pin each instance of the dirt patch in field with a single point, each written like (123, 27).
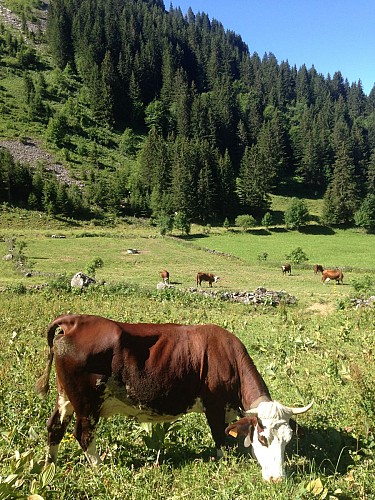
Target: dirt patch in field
(322, 309)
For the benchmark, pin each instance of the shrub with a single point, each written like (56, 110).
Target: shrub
(245, 221)
(182, 223)
(297, 256)
(95, 264)
(364, 286)
(267, 220)
(262, 257)
(165, 223)
(365, 216)
(226, 223)
(297, 214)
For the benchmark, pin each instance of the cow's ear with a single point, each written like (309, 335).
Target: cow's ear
(243, 427)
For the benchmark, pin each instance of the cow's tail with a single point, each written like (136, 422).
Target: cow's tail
(42, 384)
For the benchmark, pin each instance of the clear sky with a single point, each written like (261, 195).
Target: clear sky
(331, 35)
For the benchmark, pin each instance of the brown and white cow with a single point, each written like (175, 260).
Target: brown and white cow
(165, 276)
(158, 372)
(286, 268)
(332, 274)
(211, 278)
(318, 268)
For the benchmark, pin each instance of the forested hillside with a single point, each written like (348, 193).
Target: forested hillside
(190, 119)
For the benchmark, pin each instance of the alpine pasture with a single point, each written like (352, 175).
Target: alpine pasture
(322, 348)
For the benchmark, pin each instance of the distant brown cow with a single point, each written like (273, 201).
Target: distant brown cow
(286, 268)
(211, 278)
(165, 276)
(318, 268)
(332, 274)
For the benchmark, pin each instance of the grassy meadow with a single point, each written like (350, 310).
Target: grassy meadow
(321, 348)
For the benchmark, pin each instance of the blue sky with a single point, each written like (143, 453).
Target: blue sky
(332, 35)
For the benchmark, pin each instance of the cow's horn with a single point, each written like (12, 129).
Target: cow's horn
(297, 411)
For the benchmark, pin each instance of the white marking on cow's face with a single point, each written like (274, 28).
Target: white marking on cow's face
(269, 447)
(270, 439)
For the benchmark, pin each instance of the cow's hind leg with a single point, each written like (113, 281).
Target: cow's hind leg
(56, 427)
(84, 432)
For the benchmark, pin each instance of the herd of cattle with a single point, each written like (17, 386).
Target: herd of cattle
(327, 275)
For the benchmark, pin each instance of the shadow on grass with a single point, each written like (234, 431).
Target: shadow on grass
(318, 230)
(278, 230)
(329, 450)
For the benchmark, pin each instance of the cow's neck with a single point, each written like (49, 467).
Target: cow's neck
(253, 387)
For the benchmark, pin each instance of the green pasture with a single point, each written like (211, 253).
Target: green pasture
(321, 349)
(233, 255)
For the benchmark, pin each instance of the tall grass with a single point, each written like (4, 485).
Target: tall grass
(303, 352)
(301, 356)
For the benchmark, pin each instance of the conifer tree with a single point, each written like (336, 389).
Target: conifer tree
(341, 197)
(251, 184)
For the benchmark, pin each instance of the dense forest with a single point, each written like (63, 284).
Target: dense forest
(223, 128)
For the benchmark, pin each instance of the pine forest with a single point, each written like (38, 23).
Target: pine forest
(200, 124)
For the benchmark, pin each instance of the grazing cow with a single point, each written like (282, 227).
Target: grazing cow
(158, 372)
(165, 276)
(332, 274)
(318, 268)
(286, 268)
(211, 278)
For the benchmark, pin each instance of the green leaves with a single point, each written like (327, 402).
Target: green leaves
(155, 436)
(23, 466)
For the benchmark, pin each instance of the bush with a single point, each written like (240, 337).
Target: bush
(226, 224)
(296, 214)
(364, 286)
(267, 220)
(165, 223)
(245, 221)
(182, 223)
(365, 216)
(262, 257)
(60, 284)
(297, 256)
(95, 264)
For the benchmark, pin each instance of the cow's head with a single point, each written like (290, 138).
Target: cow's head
(216, 279)
(267, 429)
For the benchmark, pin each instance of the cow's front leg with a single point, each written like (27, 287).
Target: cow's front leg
(216, 421)
(84, 432)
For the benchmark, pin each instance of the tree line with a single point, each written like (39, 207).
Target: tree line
(224, 127)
